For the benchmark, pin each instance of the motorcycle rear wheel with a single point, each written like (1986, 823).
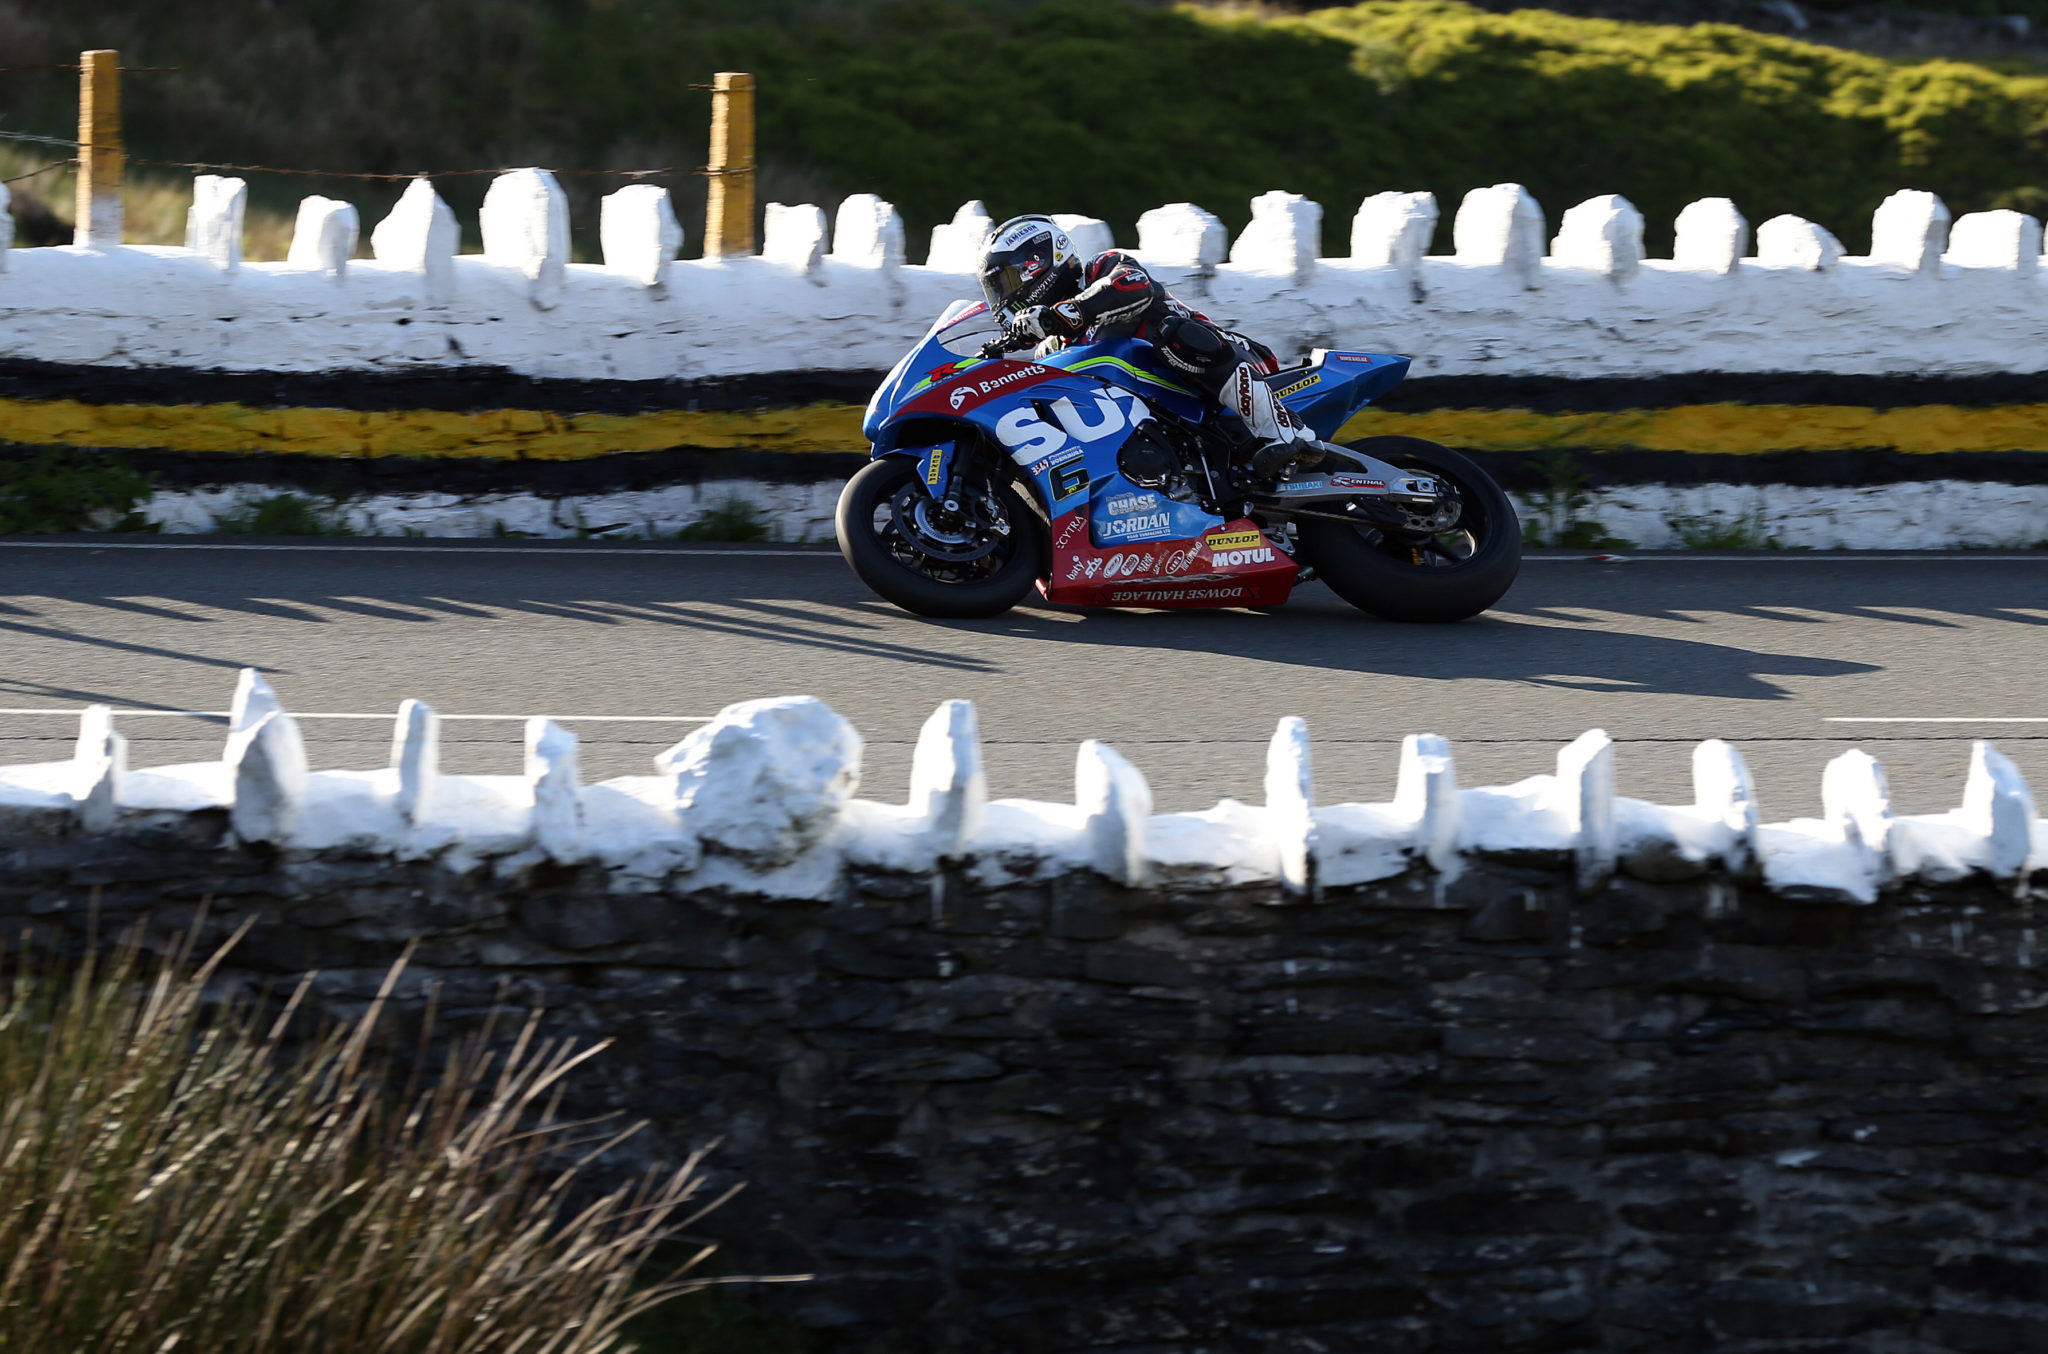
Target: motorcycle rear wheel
(891, 551)
(1424, 579)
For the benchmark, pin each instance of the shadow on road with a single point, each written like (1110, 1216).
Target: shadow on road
(1496, 647)
(1566, 625)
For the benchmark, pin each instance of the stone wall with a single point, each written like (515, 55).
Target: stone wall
(1422, 1114)
(1533, 1067)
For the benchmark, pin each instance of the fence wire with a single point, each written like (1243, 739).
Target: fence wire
(416, 174)
(36, 139)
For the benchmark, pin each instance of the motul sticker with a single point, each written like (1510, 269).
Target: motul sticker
(1224, 559)
(1232, 540)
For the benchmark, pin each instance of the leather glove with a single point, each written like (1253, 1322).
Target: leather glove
(1044, 322)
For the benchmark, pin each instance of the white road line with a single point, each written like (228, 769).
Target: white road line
(337, 714)
(1937, 719)
(415, 549)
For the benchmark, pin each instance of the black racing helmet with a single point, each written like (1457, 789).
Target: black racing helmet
(1029, 261)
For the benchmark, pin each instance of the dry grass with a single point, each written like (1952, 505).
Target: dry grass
(177, 1174)
(155, 208)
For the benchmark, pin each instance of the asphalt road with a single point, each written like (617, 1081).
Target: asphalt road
(1661, 652)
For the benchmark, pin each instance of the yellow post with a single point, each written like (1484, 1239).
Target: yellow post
(729, 210)
(100, 159)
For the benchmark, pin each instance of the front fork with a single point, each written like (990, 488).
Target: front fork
(945, 472)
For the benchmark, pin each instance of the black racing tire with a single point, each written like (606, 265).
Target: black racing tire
(1379, 572)
(870, 491)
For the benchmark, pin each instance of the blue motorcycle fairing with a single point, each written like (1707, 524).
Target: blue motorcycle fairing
(1127, 363)
(1334, 386)
(936, 357)
(1122, 513)
(934, 465)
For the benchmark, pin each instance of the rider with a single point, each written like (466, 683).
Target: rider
(1046, 293)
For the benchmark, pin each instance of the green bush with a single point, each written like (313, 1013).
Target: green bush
(733, 520)
(281, 515)
(176, 1175)
(70, 491)
(1745, 531)
(1553, 517)
(1112, 109)
(1106, 107)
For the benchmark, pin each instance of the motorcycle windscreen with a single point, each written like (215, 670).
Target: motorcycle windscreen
(957, 334)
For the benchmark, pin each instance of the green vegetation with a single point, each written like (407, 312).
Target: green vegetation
(179, 1171)
(70, 491)
(1746, 531)
(1107, 107)
(282, 515)
(1554, 520)
(733, 520)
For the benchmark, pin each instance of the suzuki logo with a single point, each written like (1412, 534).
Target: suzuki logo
(1029, 436)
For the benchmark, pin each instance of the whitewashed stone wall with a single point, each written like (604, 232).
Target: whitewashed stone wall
(1958, 299)
(763, 800)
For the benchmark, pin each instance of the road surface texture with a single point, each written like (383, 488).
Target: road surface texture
(1766, 651)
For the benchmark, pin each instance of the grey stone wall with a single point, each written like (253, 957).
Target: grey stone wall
(1484, 1114)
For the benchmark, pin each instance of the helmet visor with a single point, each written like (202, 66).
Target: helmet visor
(1001, 283)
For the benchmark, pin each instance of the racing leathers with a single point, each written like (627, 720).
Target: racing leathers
(1119, 298)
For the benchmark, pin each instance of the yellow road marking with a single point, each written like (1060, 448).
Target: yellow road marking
(528, 434)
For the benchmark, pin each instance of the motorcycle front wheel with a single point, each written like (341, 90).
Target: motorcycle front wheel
(979, 563)
(1435, 577)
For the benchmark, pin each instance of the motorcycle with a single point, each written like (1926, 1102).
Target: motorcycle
(1094, 476)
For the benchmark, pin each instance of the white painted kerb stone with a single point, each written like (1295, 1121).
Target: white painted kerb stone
(420, 236)
(213, 223)
(639, 232)
(324, 236)
(525, 223)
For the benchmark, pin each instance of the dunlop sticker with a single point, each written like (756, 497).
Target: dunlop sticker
(1232, 540)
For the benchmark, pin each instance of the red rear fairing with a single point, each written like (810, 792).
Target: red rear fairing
(1233, 565)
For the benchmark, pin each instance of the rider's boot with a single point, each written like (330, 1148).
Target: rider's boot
(1273, 440)
(1275, 458)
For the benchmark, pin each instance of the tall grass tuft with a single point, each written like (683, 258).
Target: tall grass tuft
(178, 1175)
